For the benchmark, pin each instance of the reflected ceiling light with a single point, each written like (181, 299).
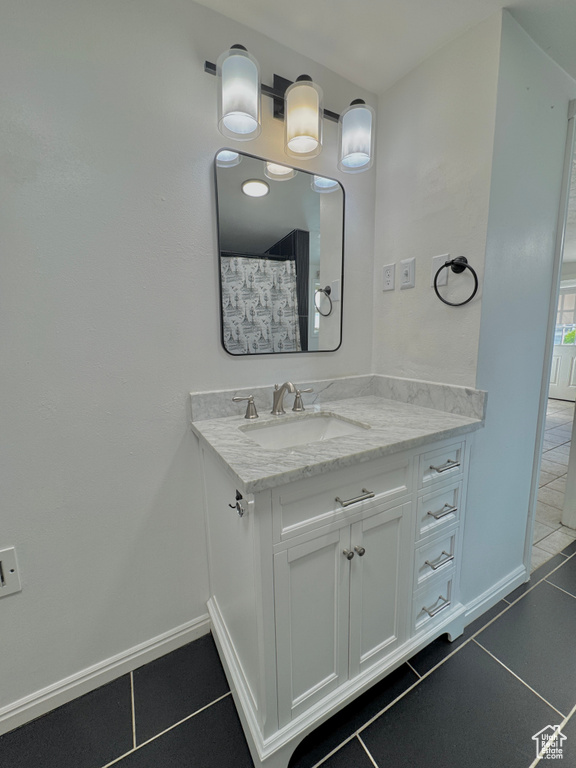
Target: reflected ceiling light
(279, 172)
(255, 188)
(303, 136)
(226, 158)
(239, 102)
(322, 184)
(356, 137)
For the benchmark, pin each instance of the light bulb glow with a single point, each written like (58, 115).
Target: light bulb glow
(226, 158)
(239, 95)
(322, 184)
(356, 138)
(279, 172)
(303, 119)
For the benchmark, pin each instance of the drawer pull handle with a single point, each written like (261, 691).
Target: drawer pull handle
(365, 495)
(435, 611)
(348, 554)
(450, 464)
(439, 563)
(360, 550)
(446, 510)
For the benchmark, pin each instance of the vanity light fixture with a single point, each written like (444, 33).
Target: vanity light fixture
(299, 103)
(303, 134)
(356, 137)
(226, 158)
(239, 102)
(255, 188)
(278, 172)
(323, 185)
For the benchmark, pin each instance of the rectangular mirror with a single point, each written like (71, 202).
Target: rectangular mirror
(281, 243)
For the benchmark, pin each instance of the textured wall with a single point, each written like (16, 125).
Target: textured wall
(109, 315)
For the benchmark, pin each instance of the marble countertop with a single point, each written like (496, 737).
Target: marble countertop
(393, 426)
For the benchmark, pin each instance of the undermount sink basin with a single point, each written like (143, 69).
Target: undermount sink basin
(291, 432)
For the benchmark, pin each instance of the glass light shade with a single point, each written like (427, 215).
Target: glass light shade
(278, 172)
(323, 185)
(227, 158)
(356, 138)
(255, 188)
(239, 98)
(303, 118)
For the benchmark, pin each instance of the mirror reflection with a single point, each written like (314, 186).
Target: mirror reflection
(280, 234)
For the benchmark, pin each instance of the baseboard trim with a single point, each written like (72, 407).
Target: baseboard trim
(39, 703)
(495, 593)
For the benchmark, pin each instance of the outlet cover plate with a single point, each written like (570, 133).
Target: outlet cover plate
(437, 262)
(407, 273)
(388, 277)
(9, 576)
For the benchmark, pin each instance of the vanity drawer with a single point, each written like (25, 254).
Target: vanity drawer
(438, 510)
(314, 502)
(432, 604)
(441, 464)
(435, 558)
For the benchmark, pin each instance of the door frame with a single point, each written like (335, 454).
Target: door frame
(552, 312)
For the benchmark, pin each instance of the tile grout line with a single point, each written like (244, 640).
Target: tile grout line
(133, 709)
(562, 724)
(374, 763)
(166, 730)
(332, 752)
(414, 670)
(519, 678)
(560, 589)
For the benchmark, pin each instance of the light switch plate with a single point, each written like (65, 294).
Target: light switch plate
(9, 576)
(407, 273)
(437, 262)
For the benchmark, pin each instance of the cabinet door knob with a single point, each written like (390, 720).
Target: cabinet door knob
(348, 553)
(360, 550)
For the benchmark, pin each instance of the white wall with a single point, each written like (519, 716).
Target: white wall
(435, 140)
(109, 316)
(531, 127)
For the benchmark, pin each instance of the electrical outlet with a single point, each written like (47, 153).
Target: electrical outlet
(9, 576)
(388, 273)
(437, 262)
(407, 273)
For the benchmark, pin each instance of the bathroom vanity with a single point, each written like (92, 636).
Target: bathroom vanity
(331, 561)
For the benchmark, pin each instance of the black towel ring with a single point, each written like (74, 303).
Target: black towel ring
(326, 291)
(458, 265)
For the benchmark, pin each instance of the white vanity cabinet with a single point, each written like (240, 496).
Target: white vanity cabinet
(321, 586)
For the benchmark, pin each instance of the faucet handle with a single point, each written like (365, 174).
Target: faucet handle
(251, 412)
(298, 404)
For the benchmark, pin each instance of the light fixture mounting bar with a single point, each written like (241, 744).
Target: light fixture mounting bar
(276, 92)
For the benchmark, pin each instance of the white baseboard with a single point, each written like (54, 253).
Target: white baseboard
(495, 593)
(43, 701)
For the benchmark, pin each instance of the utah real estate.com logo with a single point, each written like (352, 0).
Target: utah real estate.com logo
(549, 743)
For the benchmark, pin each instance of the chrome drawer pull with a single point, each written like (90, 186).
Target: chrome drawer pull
(365, 495)
(360, 550)
(439, 563)
(445, 604)
(446, 510)
(348, 554)
(450, 464)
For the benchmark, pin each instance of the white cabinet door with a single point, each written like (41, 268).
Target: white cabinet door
(379, 586)
(563, 372)
(311, 603)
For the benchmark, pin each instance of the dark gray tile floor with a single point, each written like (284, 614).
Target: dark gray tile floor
(476, 702)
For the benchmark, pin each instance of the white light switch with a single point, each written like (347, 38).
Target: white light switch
(407, 273)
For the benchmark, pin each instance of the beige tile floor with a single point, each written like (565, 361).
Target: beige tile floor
(550, 536)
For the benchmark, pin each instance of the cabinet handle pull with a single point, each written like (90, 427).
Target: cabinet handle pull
(446, 510)
(439, 563)
(360, 550)
(450, 464)
(348, 554)
(365, 495)
(432, 613)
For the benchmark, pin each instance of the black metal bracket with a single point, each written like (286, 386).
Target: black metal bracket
(457, 265)
(275, 92)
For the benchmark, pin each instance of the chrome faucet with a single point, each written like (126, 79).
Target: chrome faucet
(279, 392)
